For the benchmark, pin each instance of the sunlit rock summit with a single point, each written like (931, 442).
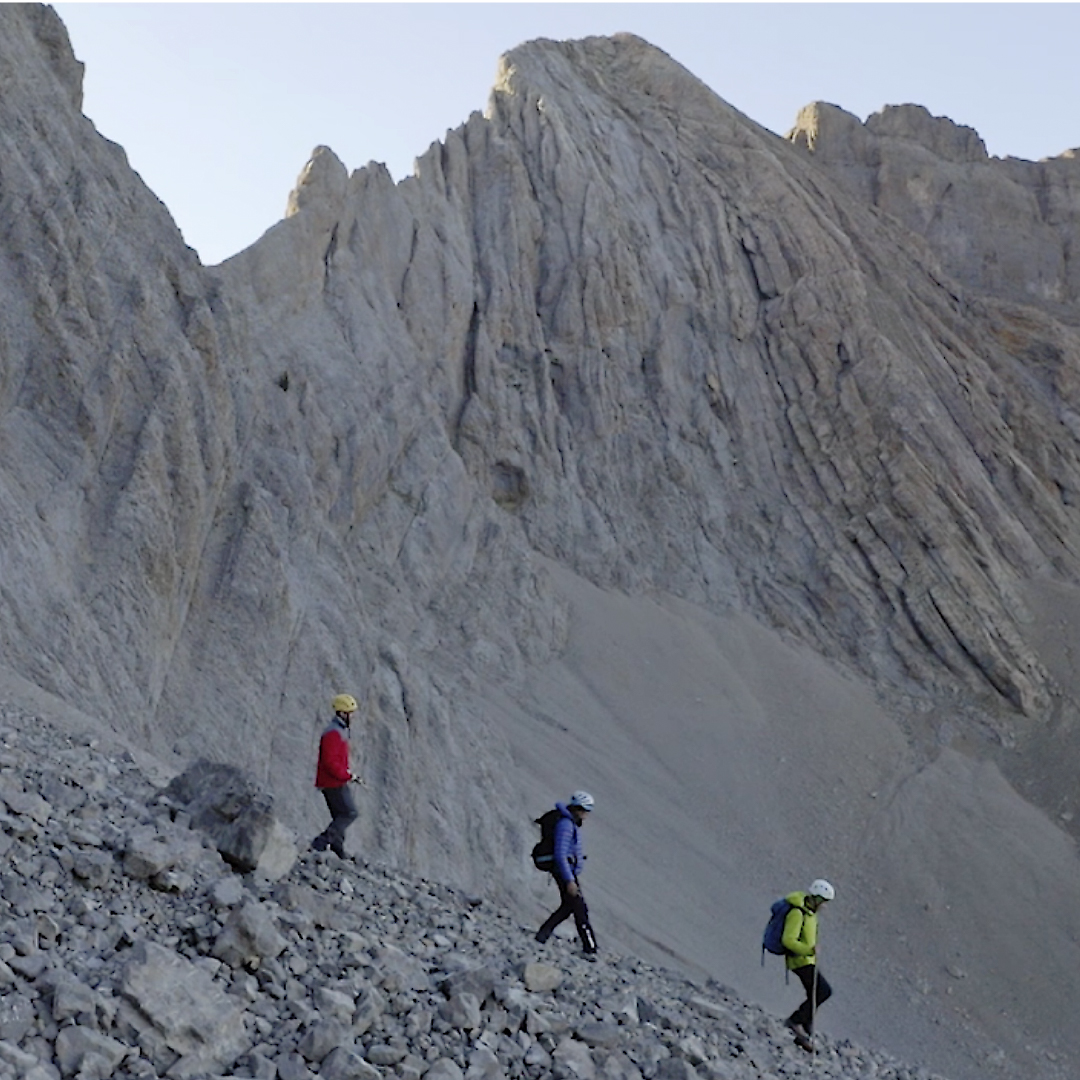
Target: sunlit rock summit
(625, 445)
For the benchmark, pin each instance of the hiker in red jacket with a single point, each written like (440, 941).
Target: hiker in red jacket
(333, 776)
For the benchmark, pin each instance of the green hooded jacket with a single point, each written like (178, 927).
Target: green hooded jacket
(800, 933)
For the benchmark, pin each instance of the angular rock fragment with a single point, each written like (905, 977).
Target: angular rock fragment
(250, 935)
(182, 1020)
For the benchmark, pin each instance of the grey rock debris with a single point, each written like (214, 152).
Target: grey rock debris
(420, 981)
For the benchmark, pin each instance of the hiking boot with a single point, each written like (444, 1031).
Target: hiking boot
(802, 1037)
(319, 843)
(542, 937)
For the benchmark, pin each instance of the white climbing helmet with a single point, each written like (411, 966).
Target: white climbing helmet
(583, 800)
(823, 889)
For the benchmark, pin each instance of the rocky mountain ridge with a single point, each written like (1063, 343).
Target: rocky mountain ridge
(619, 447)
(1007, 227)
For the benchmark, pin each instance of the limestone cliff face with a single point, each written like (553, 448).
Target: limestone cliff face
(611, 323)
(1004, 226)
(675, 357)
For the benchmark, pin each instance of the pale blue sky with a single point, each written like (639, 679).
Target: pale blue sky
(219, 105)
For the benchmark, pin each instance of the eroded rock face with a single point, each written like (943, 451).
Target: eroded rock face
(1004, 226)
(611, 325)
(684, 361)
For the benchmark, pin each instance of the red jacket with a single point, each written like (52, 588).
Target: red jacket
(333, 770)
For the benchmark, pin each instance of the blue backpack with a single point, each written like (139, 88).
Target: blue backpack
(771, 940)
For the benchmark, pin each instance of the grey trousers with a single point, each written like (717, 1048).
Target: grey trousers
(343, 812)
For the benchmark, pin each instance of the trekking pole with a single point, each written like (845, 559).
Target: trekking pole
(813, 1016)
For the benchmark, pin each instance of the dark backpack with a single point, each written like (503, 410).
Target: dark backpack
(543, 852)
(772, 939)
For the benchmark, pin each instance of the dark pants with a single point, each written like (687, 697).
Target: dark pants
(571, 905)
(805, 1013)
(339, 801)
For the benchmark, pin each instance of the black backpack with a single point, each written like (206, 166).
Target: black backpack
(543, 852)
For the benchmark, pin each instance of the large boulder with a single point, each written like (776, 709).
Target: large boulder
(227, 804)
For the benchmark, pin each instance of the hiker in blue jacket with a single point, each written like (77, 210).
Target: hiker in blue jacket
(566, 866)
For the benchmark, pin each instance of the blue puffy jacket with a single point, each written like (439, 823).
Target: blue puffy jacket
(569, 854)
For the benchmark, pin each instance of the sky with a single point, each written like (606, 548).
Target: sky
(219, 106)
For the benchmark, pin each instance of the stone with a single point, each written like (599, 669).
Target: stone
(43, 1072)
(345, 1064)
(29, 967)
(250, 934)
(14, 1056)
(27, 803)
(537, 1056)
(292, 1067)
(74, 1044)
(675, 1068)
(17, 1017)
(256, 1066)
(536, 1023)
(483, 1065)
(575, 1059)
(708, 1007)
(444, 1068)
(315, 905)
(597, 1033)
(623, 1006)
(541, 978)
(411, 975)
(334, 1003)
(173, 1009)
(478, 981)
(369, 1007)
(147, 853)
(692, 1048)
(73, 1000)
(462, 1011)
(384, 1054)
(418, 1022)
(617, 1066)
(228, 892)
(321, 1037)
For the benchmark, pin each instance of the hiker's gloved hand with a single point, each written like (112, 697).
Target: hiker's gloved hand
(357, 780)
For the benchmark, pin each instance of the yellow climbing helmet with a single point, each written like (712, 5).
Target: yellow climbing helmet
(344, 703)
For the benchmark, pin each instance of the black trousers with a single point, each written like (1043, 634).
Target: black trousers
(571, 905)
(806, 1012)
(343, 812)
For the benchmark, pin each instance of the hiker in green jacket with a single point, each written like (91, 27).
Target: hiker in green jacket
(800, 945)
